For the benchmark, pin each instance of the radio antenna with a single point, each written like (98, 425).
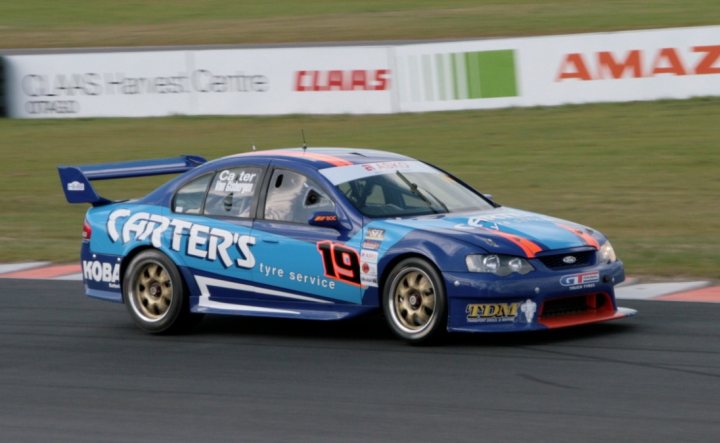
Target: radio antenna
(304, 145)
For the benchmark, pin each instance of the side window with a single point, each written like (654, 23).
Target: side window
(189, 198)
(292, 197)
(232, 192)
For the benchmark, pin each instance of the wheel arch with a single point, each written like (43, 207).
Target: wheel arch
(435, 327)
(130, 256)
(395, 260)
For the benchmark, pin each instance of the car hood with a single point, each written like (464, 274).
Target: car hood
(507, 231)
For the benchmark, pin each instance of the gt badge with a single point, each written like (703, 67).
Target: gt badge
(580, 279)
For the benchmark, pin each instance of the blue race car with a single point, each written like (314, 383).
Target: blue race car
(330, 233)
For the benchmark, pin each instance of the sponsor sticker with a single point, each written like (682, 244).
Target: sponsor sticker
(580, 279)
(369, 280)
(501, 312)
(342, 174)
(369, 256)
(368, 267)
(375, 234)
(239, 182)
(202, 241)
(342, 80)
(372, 245)
(528, 308)
(76, 186)
(102, 272)
(325, 218)
(584, 280)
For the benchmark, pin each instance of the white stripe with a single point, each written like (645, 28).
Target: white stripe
(115, 170)
(342, 174)
(205, 282)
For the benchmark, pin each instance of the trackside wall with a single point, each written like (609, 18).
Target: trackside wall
(2, 88)
(476, 74)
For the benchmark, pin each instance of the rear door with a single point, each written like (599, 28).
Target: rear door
(213, 217)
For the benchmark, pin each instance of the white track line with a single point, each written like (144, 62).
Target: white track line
(649, 291)
(72, 277)
(16, 267)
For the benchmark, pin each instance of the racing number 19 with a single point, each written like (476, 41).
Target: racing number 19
(340, 262)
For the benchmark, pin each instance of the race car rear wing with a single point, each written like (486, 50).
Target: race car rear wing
(76, 179)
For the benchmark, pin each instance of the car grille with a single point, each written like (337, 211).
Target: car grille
(582, 258)
(581, 304)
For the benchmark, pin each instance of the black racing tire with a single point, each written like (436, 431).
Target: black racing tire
(414, 302)
(155, 294)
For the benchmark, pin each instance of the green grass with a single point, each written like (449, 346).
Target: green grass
(646, 174)
(52, 23)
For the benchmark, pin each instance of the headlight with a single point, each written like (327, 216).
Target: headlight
(500, 265)
(606, 254)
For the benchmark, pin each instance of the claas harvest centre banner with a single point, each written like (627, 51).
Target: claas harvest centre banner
(538, 71)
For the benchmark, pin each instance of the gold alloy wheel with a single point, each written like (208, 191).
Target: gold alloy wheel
(413, 299)
(152, 292)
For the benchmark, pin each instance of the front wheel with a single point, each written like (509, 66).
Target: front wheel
(414, 301)
(155, 295)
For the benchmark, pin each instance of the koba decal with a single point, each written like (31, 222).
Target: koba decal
(102, 272)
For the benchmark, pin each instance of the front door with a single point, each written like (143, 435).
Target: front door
(307, 266)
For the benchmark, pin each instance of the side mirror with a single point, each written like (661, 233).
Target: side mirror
(325, 219)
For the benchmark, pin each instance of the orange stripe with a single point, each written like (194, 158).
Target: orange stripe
(46, 272)
(335, 161)
(707, 295)
(530, 248)
(587, 238)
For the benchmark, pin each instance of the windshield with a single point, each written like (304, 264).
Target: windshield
(408, 193)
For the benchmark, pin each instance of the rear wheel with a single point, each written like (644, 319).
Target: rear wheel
(414, 301)
(155, 295)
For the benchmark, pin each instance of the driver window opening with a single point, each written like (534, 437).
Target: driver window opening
(294, 198)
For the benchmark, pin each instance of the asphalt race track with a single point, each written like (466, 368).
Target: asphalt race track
(77, 369)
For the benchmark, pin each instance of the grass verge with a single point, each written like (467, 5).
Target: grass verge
(646, 174)
(83, 23)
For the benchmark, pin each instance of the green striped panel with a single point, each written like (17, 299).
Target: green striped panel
(496, 73)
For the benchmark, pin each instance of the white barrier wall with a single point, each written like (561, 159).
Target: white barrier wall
(537, 71)
(542, 71)
(203, 82)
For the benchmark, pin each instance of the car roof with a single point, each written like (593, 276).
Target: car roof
(321, 158)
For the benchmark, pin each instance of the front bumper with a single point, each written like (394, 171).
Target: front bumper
(536, 301)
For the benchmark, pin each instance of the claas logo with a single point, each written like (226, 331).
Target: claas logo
(342, 80)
